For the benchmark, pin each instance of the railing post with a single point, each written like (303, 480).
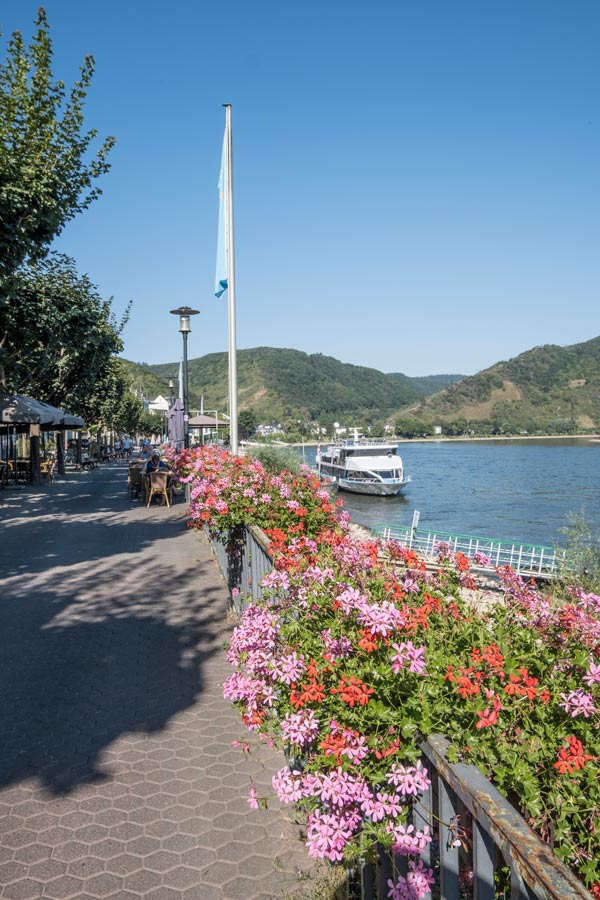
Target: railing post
(483, 863)
(448, 852)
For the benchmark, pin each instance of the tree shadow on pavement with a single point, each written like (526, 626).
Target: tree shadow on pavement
(94, 646)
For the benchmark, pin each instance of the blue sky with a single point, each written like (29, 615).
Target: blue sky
(416, 183)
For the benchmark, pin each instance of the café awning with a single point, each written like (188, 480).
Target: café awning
(207, 422)
(19, 410)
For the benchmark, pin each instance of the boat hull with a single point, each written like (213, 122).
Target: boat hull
(373, 488)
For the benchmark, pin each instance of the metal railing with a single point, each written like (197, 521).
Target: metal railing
(478, 836)
(526, 559)
(244, 560)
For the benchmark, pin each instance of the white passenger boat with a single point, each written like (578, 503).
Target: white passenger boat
(363, 466)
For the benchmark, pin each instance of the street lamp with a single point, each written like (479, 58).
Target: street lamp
(184, 313)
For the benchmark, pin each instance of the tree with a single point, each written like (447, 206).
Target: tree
(246, 423)
(46, 175)
(60, 339)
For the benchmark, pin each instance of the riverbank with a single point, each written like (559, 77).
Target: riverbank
(464, 438)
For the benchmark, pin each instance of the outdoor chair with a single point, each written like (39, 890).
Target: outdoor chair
(47, 469)
(135, 482)
(158, 484)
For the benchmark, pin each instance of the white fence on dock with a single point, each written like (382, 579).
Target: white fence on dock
(530, 560)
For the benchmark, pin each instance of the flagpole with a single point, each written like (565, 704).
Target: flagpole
(233, 422)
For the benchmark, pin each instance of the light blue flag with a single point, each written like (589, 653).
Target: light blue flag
(222, 268)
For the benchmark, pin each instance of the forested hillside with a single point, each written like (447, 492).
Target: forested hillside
(547, 390)
(283, 383)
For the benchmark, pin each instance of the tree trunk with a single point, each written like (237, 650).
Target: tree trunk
(60, 453)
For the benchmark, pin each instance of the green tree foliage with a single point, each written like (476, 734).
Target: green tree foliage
(547, 390)
(277, 459)
(247, 423)
(580, 563)
(59, 339)
(47, 173)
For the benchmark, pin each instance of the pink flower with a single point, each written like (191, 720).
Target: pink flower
(409, 780)
(578, 703)
(327, 835)
(593, 674)
(418, 882)
(252, 800)
(406, 652)
(407, 840)
(288, 786)
(300, 728)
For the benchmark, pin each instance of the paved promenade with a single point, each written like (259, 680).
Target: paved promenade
(117, 775)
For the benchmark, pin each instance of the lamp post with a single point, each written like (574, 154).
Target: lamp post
(185, 313)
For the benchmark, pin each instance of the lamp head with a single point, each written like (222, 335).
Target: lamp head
(184, 313)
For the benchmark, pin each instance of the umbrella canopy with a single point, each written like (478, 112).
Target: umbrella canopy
(16, 409)
(175, 425)
(207, 422)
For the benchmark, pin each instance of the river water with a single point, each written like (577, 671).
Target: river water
(518, 490)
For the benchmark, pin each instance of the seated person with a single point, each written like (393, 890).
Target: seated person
(154, 464)
(146, 453)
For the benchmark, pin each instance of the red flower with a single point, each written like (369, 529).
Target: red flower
(353, 691)
(572, 756)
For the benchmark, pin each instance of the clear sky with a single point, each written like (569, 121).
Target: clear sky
(416, 183)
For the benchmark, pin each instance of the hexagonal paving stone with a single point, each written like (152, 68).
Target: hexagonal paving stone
(95, 804)
(63, 887)
(128, 803)
(145, 789)
(198, 858)
(182, 877)
(178, 814)
(224, 794)
(219, 872)
(12, 871)
(175, 788)
(20, 838)
(161, 861)
(143, 881)
(71, 851)
(76, 819)
(143, 846)
(179, 843)
(85, 868)
(144, 816)
(106, 849)
(104, 884)
(126, 831)
(47, 869)
(27, 889)
(124, 864)
(164, 893)
(89, 834)
(161, 829)
(227, 821)
(239, 888)
(160, 801)
(110, 817)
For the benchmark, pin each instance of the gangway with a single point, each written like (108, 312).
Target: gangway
(529, 560)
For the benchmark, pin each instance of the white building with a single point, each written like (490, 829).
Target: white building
(158, 406)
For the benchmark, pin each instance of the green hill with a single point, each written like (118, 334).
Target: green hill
(547, 390)
(281, 383)
(429, 384)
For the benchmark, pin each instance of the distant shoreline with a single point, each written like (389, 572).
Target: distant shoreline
(449, 438)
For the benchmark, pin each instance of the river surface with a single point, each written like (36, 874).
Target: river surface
(518, 490)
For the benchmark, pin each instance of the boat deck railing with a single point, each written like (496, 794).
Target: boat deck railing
(363, 442)
(532, 560)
